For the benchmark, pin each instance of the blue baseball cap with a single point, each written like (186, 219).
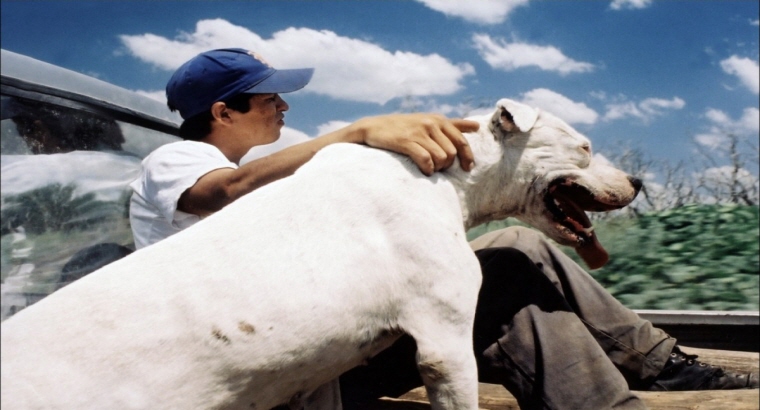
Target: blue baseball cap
(217, 75)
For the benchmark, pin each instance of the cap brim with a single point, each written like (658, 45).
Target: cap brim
(283, 81)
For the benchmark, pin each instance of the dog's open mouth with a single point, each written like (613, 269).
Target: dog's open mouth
(568, 202)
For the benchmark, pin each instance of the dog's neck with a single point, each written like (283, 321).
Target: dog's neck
(477, 189)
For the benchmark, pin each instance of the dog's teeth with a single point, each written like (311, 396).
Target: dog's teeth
(589, 230)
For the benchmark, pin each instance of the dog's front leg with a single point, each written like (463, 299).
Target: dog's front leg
(447, 365)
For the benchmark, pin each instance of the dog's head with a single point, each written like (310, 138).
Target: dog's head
(535, 167)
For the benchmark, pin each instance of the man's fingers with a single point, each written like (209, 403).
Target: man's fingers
(466, 157)
(435, 153)
(464, 152)
(432, 141)
(465, 125)
(448, 143)
(421, 157)
(442, 149)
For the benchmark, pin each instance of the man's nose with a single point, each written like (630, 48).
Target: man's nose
(281, 104)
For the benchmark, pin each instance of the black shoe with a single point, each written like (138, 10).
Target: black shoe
(684, 372)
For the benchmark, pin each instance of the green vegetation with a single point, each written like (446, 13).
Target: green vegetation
(56, 224)
(55, 208)
(696, 257)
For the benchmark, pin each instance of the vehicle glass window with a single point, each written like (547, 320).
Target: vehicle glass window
(65, 195)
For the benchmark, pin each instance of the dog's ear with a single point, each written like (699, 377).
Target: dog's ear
(512, 116)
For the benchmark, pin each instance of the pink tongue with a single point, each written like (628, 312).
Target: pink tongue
(592, 253)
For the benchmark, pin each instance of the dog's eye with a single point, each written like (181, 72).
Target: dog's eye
(586, 148)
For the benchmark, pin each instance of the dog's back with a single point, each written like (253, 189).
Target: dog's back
(249, 306)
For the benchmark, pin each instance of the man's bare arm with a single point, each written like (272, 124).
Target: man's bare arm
(431, 141)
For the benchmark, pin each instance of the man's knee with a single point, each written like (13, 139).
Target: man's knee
(506, 269)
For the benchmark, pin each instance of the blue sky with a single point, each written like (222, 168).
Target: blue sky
(661, 76)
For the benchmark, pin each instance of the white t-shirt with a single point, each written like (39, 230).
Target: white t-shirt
(166, 173)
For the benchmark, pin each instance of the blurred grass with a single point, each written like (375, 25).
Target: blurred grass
(697, 257)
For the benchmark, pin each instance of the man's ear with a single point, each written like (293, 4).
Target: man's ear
(511, 117)
(219, 111)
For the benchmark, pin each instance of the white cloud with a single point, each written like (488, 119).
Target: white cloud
(755, 22)
(717, 116)
(750, 121)
(476, 11)
(719, 175)
(645, 110)
(719, 182)
(721, 124)
(745, 69)
(463, 109)
(346, 68)
(331, 126)
(653, 106)
(502, 55)
(288, 137)
(479, 111)
(621, 110)
(161, 52)
(630, 4)
(710, 140)
(156, 95)
(570, 111)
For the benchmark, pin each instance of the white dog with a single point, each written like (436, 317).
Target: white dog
(299, 281)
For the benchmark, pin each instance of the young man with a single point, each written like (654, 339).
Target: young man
(230, 102)
(544, 328)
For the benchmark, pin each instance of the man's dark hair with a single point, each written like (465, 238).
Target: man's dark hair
(198, 127)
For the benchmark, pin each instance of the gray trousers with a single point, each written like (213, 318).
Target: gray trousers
(544, 329)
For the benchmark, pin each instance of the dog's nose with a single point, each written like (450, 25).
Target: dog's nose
(636, 183)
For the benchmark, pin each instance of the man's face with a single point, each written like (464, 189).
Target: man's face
(265, 118)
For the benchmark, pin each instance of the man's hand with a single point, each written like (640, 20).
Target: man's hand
(432, 141)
